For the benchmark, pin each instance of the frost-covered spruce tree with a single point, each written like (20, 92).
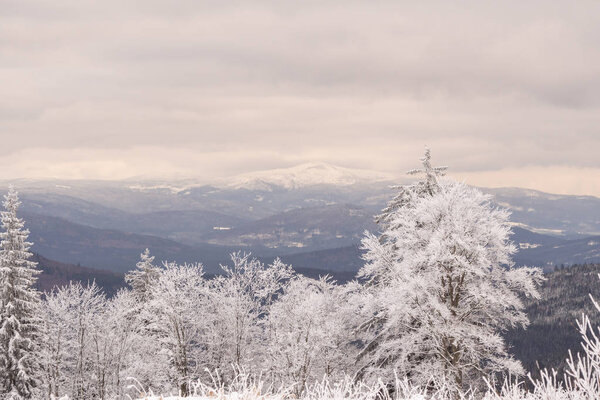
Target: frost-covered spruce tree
(421, 188)
(142, 281)
(19, 303)
(441, 287)
(141, 278)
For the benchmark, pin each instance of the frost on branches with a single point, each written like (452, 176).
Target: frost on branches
(241, 300)
(19, 302)
(309, 333)
(179, 320)
(441, 287)
(91, 344)
(426, 187)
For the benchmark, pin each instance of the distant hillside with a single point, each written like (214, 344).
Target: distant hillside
(140, 197)
(315, 228)
(257, 195)
(328, 233)
(186, 226)
(112, 250)
(577, 251)
(295, 212)
(562, 215)
(55, 273)
(553, 329)
(309, 174)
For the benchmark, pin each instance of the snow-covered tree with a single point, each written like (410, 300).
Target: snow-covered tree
(310, 337)
(88, 347)
(71, 319)
(142, 331)
(425, 187)
(19, 302)
(179, 299)
(240, 304)
(113, 342)
(441, 287)
(142, 278)
(55, 343)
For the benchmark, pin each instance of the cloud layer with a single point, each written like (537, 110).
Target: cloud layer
(113, 89)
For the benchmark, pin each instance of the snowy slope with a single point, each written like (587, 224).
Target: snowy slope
(304, 175)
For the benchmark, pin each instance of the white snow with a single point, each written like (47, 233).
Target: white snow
(304, 175)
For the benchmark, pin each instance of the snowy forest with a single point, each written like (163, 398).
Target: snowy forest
(423, 319)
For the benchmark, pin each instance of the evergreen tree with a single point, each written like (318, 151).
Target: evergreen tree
(19, 303)
(142, 280)
(143, 277)
(406, 195)
(441, 287)
(426, 187)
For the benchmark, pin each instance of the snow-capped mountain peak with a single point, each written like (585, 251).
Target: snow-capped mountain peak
(309, 174)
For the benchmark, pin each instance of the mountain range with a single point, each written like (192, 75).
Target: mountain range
(312, 216)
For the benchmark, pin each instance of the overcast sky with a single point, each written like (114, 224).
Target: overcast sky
(505, 93)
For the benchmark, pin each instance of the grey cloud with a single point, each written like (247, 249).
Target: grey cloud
(488, 85)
